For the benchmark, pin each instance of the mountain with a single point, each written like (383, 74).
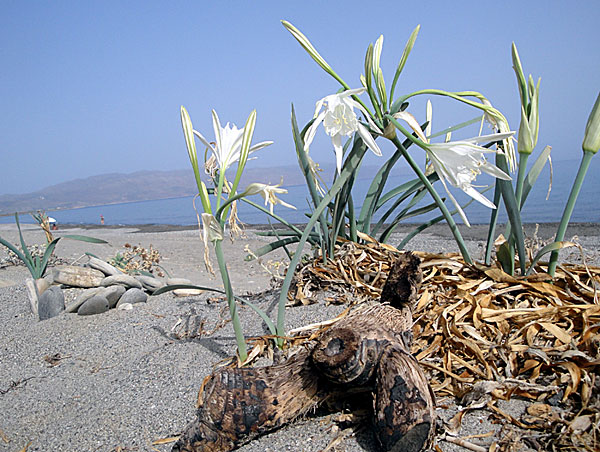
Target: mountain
(116, 188)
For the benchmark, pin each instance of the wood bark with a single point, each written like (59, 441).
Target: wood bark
(369, 349)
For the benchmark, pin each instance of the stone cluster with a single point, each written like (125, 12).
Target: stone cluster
(105, 287)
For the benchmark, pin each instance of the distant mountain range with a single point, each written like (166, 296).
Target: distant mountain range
(116, 188)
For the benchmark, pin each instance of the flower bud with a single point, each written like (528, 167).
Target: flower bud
(591, 139)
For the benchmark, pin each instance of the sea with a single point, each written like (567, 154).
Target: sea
(539, 207)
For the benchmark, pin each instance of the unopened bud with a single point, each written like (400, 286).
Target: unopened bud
(591, 139)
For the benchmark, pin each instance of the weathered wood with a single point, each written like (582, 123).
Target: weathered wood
(368, 349)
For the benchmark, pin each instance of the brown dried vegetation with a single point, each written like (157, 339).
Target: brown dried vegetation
(484, 336)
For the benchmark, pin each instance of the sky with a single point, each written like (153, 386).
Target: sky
(93, 87)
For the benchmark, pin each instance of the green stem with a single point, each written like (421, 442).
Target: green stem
(521, 176)
(237, 327)
(564, 222)
(492, 226)
(447, 216)
(354, 159)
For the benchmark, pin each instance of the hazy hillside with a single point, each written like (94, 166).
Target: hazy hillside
(139, 186)
(144, 185)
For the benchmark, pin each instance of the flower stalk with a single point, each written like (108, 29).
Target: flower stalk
(590, 146)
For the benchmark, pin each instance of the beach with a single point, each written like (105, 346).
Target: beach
(126, 379)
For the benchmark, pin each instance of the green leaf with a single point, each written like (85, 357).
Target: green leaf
(456, 127)
(534, 173)
(352, 161)
(84, 238)
(28, 259)
(513, 211)
(272, 246)
(520, 77)
(172, 287)
(369, 79)
(407, 49)
(312, 51)
(506, 258)
(47, 254)
(554, 246)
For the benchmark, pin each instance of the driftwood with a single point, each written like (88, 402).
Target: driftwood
(368, 349)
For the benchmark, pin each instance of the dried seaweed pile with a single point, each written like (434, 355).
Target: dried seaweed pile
(483, 336)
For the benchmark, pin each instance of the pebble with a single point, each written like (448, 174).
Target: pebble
(150, 283)
(72, 275)
(183, 292)
(133, 296)
(51, 303)
(94, 305)
(82, 298)
(124, 280)
(104, 267)
(112, 294)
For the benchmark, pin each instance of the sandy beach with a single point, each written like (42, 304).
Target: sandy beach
(123, 380)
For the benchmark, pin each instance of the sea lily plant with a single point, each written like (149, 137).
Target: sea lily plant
(231, 146)
(389, 130)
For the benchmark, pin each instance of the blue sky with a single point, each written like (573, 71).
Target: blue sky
(95, 87)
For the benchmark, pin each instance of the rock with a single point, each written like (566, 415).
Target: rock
(183, 292)
(94, 305)
(150, 283)
(124, 280)
(82, 298)
(133, 296)
(187, 292)
(51, 303)
(72, 275)
(112, 294)
(43, 283)
(104, 267)
(125, 307)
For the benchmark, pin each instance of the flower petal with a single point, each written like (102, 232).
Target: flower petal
(412, 122)
(312, 130)
(457, 205)
(204, 140)
(368, 139)
(339, 151)
(262, 144)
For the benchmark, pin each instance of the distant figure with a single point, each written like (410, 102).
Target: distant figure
(102, 220)
(53, 224)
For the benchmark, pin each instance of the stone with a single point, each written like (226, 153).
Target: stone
(112, 294)
(82, 298)
(125, 307)
(104, 267)
(183, 292)
(124, 280)
(74, 276)
(133, 296)
(51, 303)
(187, 292)
(94, 305)
(150, 283)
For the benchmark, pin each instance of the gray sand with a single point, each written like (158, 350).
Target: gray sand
(123, 381)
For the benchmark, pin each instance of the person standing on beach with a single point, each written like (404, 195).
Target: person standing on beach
(102, 220)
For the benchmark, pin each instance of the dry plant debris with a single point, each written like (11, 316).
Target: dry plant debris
(483, 336)
(137, 259)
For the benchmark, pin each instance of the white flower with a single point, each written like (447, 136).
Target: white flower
(268, 192)
(339, 120)
(229, 143)
(460, 162)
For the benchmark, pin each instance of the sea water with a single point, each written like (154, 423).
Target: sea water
(180, 211)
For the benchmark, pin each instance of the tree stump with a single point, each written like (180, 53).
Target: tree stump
(368, 349)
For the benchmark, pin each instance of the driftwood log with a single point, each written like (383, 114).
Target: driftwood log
(368, 349)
